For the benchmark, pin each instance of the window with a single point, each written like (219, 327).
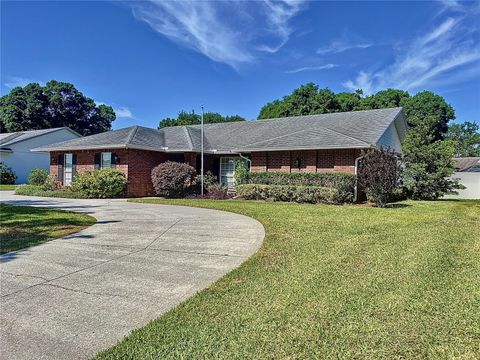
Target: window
(227, 170)
(106, 160)
(68, 169)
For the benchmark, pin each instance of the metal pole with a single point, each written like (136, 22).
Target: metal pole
(201, 158)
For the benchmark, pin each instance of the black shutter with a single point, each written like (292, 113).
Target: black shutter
(97, 161)
(74, 166)
(114, 160)
(60, 168)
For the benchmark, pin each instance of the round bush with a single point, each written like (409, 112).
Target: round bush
(7, 176)
(101, 184)
(37, 176)
(173, 179)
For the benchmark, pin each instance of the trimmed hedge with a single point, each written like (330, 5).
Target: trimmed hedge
(34, 190)
(341, 182)
(292, 193)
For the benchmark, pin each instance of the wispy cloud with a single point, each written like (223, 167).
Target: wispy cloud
(311, 68)
(339, 46)
(347, 41)
(233, 32)
(14, 81)
(443, 53)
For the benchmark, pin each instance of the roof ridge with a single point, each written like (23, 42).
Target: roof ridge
(189, 138)
(132, 134)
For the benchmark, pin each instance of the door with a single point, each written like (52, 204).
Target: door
(68, 170)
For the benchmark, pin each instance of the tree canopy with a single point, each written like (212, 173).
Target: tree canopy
(57, 104)
(466, 138)
(185, 118)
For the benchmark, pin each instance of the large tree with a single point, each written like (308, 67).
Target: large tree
(429, 158)
(185, 118)
(57, 104)
(466, 138)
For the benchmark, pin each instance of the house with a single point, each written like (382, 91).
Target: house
(15, 149)
(314, 143)
(467, 171)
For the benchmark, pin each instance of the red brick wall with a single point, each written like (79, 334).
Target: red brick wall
(135, 164)
(341, 160)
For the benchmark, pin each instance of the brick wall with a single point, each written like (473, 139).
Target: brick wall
(341, 160)
(135, 164)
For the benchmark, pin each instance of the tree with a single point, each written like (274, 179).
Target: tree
(428, 162)
(429, 109)
(466, 138)
(57, 104)
(192, 118)
(379, 174)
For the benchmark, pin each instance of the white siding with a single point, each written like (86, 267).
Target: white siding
(390, 139)
(471, 180)
(22, 160)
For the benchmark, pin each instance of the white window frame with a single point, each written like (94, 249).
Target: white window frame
(102, 165)
(67, 181)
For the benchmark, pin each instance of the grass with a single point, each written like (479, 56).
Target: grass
(334, 282)
(32, 190)
(24, 226)
(5, 187)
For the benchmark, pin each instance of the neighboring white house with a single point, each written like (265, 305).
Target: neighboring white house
(15, 149)
(468, 174)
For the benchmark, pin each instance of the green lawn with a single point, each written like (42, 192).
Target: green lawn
(335, 282)
(23, 226)
(5, 187)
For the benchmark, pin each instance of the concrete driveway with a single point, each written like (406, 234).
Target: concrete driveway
(77, 295)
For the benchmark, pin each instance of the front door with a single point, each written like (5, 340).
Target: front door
(68, 170)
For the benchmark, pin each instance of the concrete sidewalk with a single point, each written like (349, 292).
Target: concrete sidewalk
(74, 296)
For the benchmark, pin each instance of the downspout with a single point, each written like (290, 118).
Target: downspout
(355, 189)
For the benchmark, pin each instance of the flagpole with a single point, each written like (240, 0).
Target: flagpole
(201, 157)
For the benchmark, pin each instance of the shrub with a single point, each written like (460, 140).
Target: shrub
(173, 179)
(343, 183)
(379, 174)
(241, 173)
(51, 184)
(37, 176)
(217, 191)
(208, 180)
(296, 193)
(7, 175)
(101, 184)
(34, 190)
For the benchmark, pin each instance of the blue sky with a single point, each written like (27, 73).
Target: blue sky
(150, 59)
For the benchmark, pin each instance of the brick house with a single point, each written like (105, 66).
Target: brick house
(314, 143)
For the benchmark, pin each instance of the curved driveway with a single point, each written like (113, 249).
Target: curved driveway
(74, 296)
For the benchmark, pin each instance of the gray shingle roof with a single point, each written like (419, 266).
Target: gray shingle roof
(356, 129)
(7, 139)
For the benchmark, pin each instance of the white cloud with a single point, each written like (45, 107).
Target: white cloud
(436, 57)
(233, 33)
(14, 81)
(338, 46)
(123, 112)
(311, 68)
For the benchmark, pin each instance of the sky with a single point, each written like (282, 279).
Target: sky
(151, 59)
